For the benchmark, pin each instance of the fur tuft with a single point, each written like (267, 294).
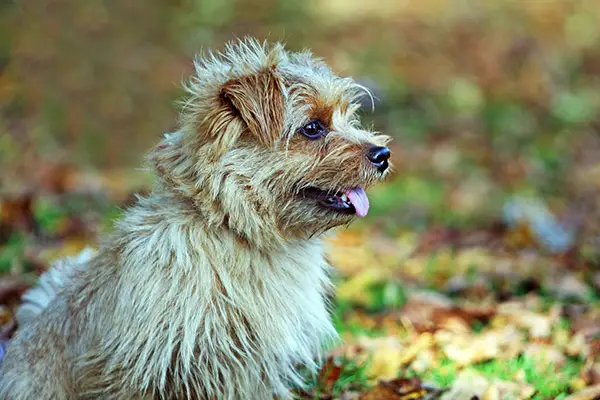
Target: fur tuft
(36, 299)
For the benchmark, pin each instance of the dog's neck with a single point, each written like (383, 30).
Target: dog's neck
(247, 232)
(164, 209)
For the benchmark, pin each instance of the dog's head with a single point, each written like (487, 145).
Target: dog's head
(270, 144)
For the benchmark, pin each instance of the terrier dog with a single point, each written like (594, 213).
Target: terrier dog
(214, 286)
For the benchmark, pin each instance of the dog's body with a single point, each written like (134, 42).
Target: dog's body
(214, 286)
(174, 316)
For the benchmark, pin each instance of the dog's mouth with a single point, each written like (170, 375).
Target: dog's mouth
(351, 201)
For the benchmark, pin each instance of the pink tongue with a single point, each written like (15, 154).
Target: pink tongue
(359, 200)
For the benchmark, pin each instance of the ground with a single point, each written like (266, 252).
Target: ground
(441, 312)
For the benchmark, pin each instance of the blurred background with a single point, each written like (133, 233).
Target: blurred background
(493, 106)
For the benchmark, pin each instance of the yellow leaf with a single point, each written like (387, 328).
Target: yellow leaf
(386, 357)
(355, 288)
(70, 247)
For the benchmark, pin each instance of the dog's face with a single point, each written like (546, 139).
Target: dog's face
(271, 144)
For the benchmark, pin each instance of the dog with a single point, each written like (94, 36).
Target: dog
(215, 285)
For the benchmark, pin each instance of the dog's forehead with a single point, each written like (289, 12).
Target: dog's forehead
(312, 80)
(319, 81)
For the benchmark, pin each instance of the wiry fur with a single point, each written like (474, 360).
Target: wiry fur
(214, 286)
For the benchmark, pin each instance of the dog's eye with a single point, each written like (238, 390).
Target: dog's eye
(314, 129)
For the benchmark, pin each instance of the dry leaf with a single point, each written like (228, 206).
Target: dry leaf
(544, 354)
(590, 393)
(467, 384)
(355, 288)
(399, 389)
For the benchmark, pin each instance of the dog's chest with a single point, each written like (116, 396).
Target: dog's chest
(282, 303)
(212, 311)
(259, 328)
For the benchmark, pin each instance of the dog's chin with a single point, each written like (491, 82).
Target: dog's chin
(343, 202)
(313, 212)
(331, 203)
(310, 211)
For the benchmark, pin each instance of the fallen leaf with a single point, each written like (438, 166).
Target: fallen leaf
(567, 287)
(16, 213)
(329, 375)
(424, 360)
(544, 355)
(539, 325)
(427, 310)
(577, 346)
(588, 324)
(590, 393)
(400, 389)
(12, 287)
(467, 384)
(492, 393)
(590, 373)
(386, 357)
(512, 390)
(355, 289)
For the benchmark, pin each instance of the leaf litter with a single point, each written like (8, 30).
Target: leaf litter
(483, 315)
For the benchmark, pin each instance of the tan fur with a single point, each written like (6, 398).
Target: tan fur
(214, 286)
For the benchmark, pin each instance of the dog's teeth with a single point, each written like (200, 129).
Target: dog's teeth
(344, 197)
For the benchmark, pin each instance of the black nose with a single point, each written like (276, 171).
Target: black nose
(379, 156)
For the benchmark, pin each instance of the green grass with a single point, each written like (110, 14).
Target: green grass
(110, 217)
(12, 250)
(548, 383)
(342, 325)
(443, 375)
(407, 192)
(48, 215)
(387, 295)
(544, 377)
(352, 377)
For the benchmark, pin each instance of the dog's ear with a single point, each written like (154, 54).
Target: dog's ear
(257, 100)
